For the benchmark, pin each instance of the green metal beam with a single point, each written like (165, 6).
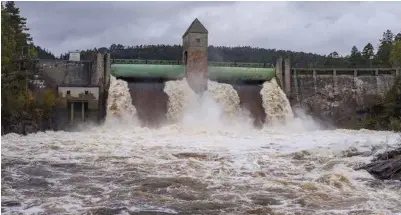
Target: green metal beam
(178, 71)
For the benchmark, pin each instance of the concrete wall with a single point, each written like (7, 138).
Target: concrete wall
(61, 72)
(76, 91)
(97, 76)
(85, 73)
(335, 95)
(78, 94)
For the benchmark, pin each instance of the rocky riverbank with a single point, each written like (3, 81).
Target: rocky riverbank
(26, 123)
(386, 166)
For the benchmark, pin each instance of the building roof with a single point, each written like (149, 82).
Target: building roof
(196, 27)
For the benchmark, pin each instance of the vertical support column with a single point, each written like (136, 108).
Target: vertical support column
(98, 71)
(279, 71)
(72, 113)
(355, 87)
(335, 80)
(377, 82)
(83, 111)
(287, 76)
(105, 86)
(107, 68)
(314, 81)
(295, 80)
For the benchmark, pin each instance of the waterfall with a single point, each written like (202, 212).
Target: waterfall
(275, 102)
(119, 103)
(221, 102)
(182, 100)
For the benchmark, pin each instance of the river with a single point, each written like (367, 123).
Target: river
(214, 167)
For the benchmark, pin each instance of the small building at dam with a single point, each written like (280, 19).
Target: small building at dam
(332, 94)
(81, 88)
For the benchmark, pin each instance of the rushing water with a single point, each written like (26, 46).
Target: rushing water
(214, 166)
(220, 102)
(275, 103)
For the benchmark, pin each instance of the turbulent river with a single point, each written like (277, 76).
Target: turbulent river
(196, 165)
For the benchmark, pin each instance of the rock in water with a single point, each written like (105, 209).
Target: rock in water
(386, 166)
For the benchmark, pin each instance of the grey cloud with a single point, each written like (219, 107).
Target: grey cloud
(319, 27)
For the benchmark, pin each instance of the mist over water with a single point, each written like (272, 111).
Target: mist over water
(207, 160)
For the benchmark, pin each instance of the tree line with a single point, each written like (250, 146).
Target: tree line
(21, 108)
(386, 55)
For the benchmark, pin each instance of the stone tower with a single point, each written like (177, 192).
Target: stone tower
(195, 43)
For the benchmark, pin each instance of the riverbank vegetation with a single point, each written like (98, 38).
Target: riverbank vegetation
(386, 113)
(21, 111)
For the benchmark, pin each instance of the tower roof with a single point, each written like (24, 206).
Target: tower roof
(196, 27)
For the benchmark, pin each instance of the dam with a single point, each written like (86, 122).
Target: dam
(156, 86)
(210, 143)
(333, 95)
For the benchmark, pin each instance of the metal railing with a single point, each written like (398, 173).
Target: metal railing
(345, 71)
(137, 61)
(178, 62)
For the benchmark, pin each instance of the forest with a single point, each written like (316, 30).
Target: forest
(23, 110)
(368, 57)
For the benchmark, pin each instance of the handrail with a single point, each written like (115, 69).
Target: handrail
(178, 62)
(343, 69)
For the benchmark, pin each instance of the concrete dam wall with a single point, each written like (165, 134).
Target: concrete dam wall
(336, 95)
(333, 95)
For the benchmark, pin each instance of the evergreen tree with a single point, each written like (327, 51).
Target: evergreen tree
(355, 57)
(368, 51)
(384, 50)
(43, 53)
(395, 55)
(397, 37)
(8, 44)
(18, 23)
(368, 55)
(18, 106)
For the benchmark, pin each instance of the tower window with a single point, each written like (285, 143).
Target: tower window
(86, 92)
(68, 92)
(198, 40)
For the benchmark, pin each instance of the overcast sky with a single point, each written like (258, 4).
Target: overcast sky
(319, 27)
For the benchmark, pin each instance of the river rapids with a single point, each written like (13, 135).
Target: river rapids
(209, 161)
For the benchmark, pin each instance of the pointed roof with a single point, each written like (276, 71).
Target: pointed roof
(196, 27)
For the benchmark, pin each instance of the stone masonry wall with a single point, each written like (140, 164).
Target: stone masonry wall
(196, 64)
(336, 96)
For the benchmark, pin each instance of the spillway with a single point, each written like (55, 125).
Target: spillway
(171, 100)
(119, 103)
